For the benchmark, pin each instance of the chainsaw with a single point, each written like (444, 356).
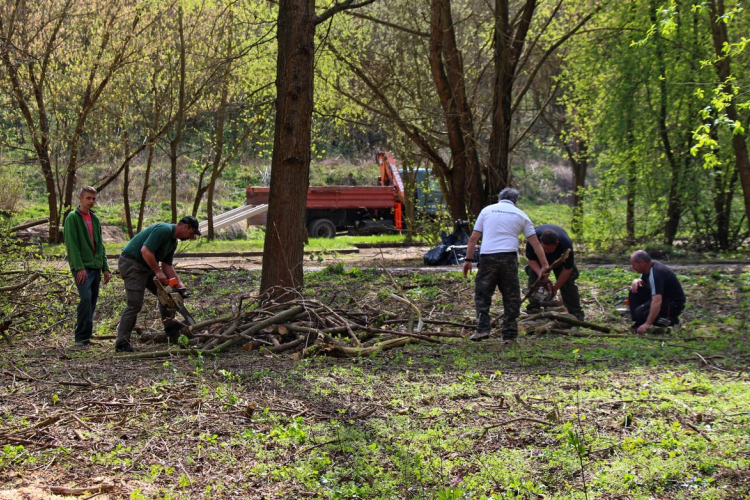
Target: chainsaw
(172, 297)
(545, 295)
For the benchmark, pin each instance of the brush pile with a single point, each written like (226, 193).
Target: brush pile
(302, 327)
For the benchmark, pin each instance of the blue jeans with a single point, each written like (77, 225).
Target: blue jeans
(88, 294)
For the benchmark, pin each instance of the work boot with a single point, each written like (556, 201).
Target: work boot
(124, 347)
(676, 325)
(477, 336)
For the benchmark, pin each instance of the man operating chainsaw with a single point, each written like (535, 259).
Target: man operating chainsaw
(555, 241)
(149, 254)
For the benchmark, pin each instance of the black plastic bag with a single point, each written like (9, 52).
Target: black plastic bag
(452, 250)
(435, 256)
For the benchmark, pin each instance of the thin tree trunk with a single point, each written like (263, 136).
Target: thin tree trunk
(219, 137)
(180, 122)
(146, 181)
(91, 97)
(674, 202)
(39, 135)
(632, 180)
(126, 186)
(724, 71)
(724, 183)
(579, 163)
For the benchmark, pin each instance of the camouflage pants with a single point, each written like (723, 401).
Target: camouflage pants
(499, 270)
(569, 293)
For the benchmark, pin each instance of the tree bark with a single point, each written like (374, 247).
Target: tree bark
(281, 276)
(290, 163)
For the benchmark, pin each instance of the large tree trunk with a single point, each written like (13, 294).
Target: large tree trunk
(508, 48)
(723, 69)
(445, 59)
(448, 74)
(290, 164)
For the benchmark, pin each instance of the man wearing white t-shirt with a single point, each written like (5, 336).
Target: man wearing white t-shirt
(498, 226)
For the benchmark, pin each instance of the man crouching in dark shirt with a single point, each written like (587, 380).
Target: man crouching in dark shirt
(656, 298)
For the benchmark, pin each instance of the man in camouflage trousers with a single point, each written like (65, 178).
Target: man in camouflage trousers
(498, 226)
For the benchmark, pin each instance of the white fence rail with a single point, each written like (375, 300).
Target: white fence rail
(237, 215)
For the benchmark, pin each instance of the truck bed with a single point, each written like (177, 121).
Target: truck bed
(332, 197)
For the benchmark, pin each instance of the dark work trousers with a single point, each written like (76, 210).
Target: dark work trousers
(137, 279)
(640, 306)
(568, 292)
(88, 294)
(498, 270)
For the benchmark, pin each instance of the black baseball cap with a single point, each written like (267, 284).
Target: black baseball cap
(192, 222)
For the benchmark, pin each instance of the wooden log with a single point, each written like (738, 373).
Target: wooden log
(572, 321)
(338, 351)
(11, 288)
(63, 490)
(27, 225)
(209, 322)
(289, 345)
(238, 339)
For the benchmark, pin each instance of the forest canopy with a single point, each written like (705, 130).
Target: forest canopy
(644, 102)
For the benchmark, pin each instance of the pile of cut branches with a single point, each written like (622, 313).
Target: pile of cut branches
(33, 293)
(303, 327)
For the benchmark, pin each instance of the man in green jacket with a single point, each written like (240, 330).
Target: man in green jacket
(87, 260)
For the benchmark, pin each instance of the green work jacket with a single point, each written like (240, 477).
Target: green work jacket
(81, 254)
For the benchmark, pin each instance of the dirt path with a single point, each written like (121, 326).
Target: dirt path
(410, 259)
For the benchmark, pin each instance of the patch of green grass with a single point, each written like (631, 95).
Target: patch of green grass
(561, 215)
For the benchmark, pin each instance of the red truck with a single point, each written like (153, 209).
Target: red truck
(356, 209)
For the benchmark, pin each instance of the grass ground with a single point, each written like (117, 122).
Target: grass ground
(560, 417)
